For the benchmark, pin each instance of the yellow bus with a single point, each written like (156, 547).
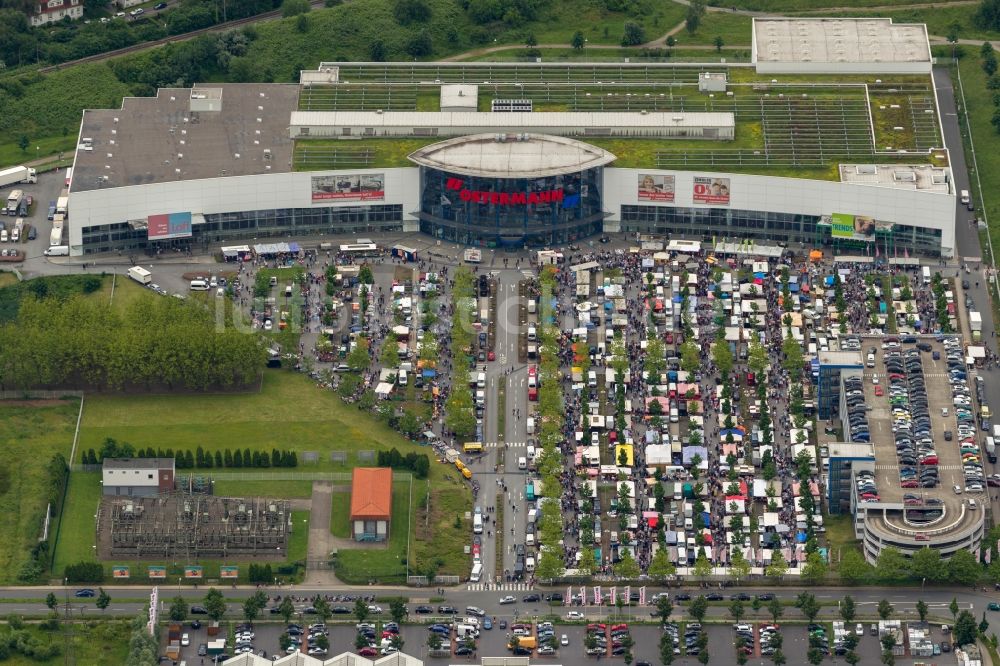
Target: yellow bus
(473, 447)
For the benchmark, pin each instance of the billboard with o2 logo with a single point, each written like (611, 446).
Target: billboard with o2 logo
(714, 191)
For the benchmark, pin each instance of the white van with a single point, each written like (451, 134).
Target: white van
(529, 539)
(592, 379)
(481, 380)
(477, 572)
(964, 197)
(674, 416)
(198, 285)
(531, 306)
(404, 378)
(522, 463)
(529, 564)
(532, 334)
(531, 425)
(57, 251)
(531, 452)
(870, 361)
(477, 523)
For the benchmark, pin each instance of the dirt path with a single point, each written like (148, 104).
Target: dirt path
(320, 538)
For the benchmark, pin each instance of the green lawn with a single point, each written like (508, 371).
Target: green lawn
(840, 535)
(288, 413)
(385, 152)
(340, 523)
(733, 28)
(29, 436)
(980, 108)
(76, 537)
(92, 642)
(285, 489)
(358, 566)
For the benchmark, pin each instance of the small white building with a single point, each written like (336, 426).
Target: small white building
(137, 477)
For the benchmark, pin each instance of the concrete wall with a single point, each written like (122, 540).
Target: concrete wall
(797, 195)
(225, 195)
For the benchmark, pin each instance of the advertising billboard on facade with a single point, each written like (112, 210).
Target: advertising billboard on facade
(351, 187)
(842, 225)
(656, 188)
(858, 227)
(711, 190)
(172, 225)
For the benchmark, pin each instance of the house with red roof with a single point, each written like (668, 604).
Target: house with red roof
(371, 503)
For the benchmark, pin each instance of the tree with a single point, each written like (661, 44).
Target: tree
(434, 640)
(926, 563)
(737, 610)
(739, 567)
(922, 609)
(698, 607)
(660, 567)
(808, 605)
(696, 10)
(776, 609)
(530, 41)
(291, 8)
(103, 599)
(420, 44)
(847, 609)
(702, 567)
(963, 568)
(215, 604)
(626, 568)
(286, 609)
(953, 607)
(397, 609)
(411, 11)
(550, 565)
(664, 607)
(984, 625)
(718, 44)
(358, 359)
(633, 35)
(360, 610)
(884, 609)
(853, 568)
(690, 357)
(891, 566)
(321, 605)
(23, 142)
(578, 41)
(793, 361)
(778, 566)
(852, 658)
(815, 569)
(814, 656)
(376, 53)
(722, 356)
(365, 275)
(965, 628)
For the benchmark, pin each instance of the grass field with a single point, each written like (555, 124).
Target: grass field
(103, 642)
(289, 489)
(288, 413)
(733, 28)
(444, 524)
(340, 523)
(29, 436)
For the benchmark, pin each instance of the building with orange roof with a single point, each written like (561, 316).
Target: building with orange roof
(371, 503)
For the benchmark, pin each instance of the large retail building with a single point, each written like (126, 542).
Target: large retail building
(540, 154)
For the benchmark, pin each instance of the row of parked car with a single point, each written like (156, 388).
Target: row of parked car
(972, 464)
(375, 645)
(867, 490)
(857, 410)
(911, 419)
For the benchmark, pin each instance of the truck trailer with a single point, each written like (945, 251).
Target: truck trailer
(140, 275)
(16, 175)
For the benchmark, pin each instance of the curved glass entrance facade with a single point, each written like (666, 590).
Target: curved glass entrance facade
(511, 212)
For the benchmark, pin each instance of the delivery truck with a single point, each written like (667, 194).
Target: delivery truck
(140, 275)
(55, 238)
(16, 175)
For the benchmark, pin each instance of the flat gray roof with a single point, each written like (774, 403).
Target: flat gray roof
(138, 463)
(832, 40)
(922, 177)
(159, 139)
(525, 154)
